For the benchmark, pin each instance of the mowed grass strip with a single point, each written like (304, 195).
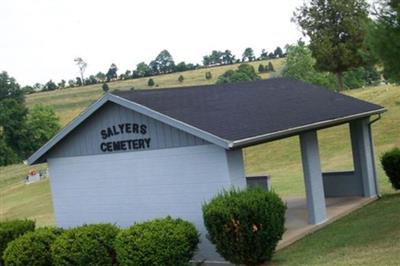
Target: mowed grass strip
(368, 236)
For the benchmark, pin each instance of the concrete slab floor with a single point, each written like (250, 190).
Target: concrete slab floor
(297, 218)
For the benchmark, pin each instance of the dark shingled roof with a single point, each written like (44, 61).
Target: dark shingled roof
(248, 109)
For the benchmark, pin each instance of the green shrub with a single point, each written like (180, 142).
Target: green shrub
(105, 87)
(391, 164)
(245, 226)
(150, 82)
(245, 72)
(10, 230)
(85, 245)
(167, 242)
(32, 248)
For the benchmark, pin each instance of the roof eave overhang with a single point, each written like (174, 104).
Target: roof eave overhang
(242, 143)
(39, 155)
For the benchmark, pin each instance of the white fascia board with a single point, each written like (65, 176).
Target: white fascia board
(293, 131)
(171, 121)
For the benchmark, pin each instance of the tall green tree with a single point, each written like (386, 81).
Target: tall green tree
(181, 67)
(278, 52)
(7, 155)
(62, 84)
(300, 65)
(143, 70)
(12, 123)
(50, 86)
(28, 89)
(215, 58)
(79, 81)
(206, 60)
(227, 57)
(112, 72)
(12, 116)
(248, 54)
(264, 54)
(384, 37)
(9, 88)
(164, 63)
(41, 124)
(100, 76)
(337, 30)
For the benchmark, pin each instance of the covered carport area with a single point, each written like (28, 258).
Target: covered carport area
(329, 195)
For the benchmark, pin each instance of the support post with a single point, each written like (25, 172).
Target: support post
(313, 178)
(236, 168)
(363, 156)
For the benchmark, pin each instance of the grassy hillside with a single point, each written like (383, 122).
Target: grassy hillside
(70, 102)
(280, 159)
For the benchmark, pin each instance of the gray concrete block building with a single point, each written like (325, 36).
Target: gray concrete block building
(138, 155)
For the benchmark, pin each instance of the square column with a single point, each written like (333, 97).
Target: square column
(363, 156)
(236, 171)
(313, 178)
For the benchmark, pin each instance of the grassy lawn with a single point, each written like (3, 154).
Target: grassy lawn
(369, 236)
(18, 200)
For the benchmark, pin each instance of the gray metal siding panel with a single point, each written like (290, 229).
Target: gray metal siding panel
(86, 138)
(129, 187)
(342, 184)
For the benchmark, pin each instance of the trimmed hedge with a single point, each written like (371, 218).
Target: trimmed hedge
(245, 226)
(32, 248)
(167, 242)
(85, 245)
(391, 164)
(10, 230)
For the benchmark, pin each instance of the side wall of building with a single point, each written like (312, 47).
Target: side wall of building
(174, 176)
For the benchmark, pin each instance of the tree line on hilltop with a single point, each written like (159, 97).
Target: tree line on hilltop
(162, 64)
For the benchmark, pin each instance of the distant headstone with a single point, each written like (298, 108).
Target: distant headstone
(32, 177)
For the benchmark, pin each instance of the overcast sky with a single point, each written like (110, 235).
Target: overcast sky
(40, 38)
